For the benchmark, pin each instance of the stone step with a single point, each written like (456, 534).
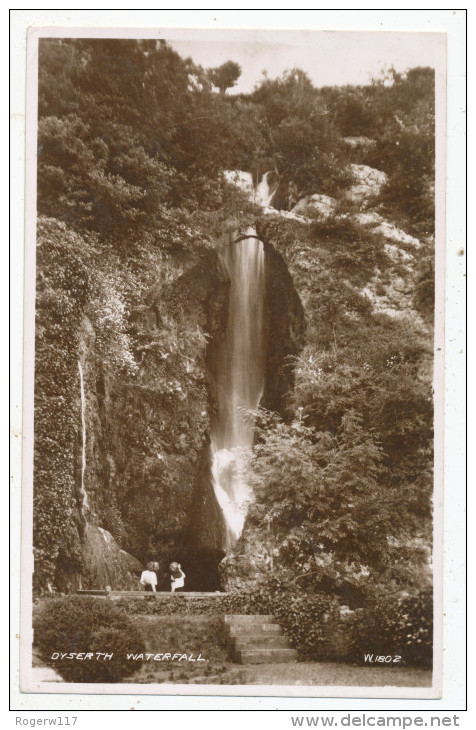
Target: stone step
(257, 639)
(253, 630)
(261, 642)
(244, 619)
(266, 656)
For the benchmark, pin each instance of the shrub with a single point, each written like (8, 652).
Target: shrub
(313, 621)
(401, 626)
(386, 625)
(304, 617)
(86, 624)
(251, 601)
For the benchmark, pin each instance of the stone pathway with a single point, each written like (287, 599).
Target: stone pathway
(257, 639)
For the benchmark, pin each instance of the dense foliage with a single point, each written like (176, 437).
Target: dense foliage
(81, 624)
(343, 481)
(62, 288)
(133, 142)
(403, 625)
(399, 625)
(397, 113)
(297, 140)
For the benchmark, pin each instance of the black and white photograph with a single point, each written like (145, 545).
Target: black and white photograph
(234, 478)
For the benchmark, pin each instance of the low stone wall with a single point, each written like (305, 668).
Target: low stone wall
(169, 604)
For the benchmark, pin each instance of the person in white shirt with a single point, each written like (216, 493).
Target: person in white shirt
(177, 577)
(149, 578)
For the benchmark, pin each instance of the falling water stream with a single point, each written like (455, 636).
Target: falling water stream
(85, 505)
(264, 191)
(240, 379)
(240, 372)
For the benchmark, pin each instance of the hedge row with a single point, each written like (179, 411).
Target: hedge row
(71, 625)
(387, 625)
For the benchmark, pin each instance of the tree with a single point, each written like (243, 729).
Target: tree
(127, 130)
(225, 76)
(325, 500)
(405, 147)
(301, 144)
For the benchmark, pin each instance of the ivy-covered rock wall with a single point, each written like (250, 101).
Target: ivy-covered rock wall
(146, 360)
(62, 289)
(146, 403)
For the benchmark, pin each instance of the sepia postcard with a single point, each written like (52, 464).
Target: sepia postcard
(233, 397)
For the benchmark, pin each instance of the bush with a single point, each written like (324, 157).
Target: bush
(251, 601)
(86, 624)
(313, 621)
(401, 626)
(386, 625)
(305, 617)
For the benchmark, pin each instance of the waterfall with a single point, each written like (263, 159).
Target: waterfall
(240, 378)
(85, 505)
(264, 192)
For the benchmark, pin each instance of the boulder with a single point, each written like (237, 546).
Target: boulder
(315, 206)
(243, 180)
(367, 183)
(105, 564)
(390, 232)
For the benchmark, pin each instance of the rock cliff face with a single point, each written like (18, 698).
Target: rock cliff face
(145, 434)
(285, 329)
(145, 490)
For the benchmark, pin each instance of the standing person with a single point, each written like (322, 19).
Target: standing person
(177, 577)
(149, 578)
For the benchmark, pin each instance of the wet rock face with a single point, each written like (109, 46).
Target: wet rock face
(105, 564)
(206, 529)
(285, 328)
(148, 462)
(205, 535)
